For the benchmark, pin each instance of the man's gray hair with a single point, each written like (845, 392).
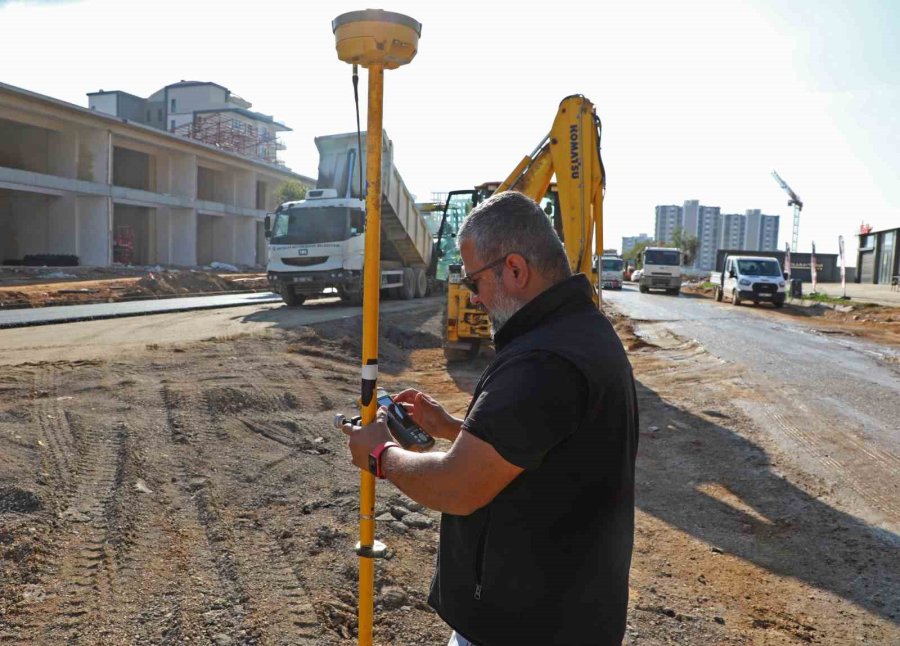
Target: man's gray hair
(510, 222)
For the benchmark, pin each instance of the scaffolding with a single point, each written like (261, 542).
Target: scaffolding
(227, 133)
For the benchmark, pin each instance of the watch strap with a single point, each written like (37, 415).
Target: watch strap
(375, 458)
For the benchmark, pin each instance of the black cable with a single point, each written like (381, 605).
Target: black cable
(362, 194)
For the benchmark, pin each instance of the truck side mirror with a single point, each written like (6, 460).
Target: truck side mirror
(267, 225)
(786, 275)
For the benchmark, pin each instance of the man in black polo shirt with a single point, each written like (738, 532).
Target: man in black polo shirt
(537, 489)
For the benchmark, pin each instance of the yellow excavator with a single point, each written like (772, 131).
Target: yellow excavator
(574, 202)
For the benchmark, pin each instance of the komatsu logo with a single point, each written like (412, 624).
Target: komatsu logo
(575, 165)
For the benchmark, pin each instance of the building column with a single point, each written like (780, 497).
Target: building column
(94, 226)
(163, 219)
(224, 229)
(245, 241)
(183, 224)
(62, 225)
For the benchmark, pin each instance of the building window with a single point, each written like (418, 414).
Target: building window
(159, 115)
(172, 109)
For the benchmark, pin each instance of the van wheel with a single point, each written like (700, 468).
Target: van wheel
(735, 299)
(719, 295)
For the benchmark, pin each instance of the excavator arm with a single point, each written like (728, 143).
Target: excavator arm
(571, 152)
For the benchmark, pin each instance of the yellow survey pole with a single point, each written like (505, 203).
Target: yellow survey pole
(376, 40)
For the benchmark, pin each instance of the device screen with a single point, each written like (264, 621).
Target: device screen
(385, 400)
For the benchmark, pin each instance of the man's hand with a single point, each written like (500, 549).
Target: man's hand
(364, 439)
(429, 415)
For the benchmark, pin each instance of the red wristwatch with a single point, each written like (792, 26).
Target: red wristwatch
(375, 458)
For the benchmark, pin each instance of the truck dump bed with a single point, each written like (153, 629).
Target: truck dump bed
(404, 233)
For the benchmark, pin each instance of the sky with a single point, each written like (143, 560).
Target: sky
(698, 99)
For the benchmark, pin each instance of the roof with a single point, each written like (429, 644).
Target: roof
(873, 231)
(102, 92)
(192, 83)
(149, 130)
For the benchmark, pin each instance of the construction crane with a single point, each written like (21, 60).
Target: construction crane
(797, 203)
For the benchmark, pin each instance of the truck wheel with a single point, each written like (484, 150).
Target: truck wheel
(463, 354)
(735, 299)
(643, 289)
(408, 290)
(290, 297)
(421, 283)
(674, 291)
(719, 294)
(778, 304)
(351, 297)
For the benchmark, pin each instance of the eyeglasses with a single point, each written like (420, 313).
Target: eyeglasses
(469, 279)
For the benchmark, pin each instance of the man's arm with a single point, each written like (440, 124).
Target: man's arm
(458, 481)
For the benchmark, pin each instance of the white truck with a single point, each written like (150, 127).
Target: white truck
(612, 272)
(661, 269)
(316, 245)
(750, 278)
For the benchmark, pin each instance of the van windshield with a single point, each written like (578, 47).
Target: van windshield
(758, 268)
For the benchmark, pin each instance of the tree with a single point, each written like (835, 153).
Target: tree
(635, 252)
(688, 245)
(290, 190)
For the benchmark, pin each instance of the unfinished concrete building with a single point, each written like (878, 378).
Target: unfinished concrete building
(100, 187)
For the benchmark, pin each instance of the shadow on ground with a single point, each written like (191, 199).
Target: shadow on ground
(721, 488)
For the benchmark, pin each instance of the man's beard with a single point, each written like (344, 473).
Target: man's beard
(502, 309)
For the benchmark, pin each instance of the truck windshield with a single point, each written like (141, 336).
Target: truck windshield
(316, 224)
(612, 264)
(662, 257)
(758, 268)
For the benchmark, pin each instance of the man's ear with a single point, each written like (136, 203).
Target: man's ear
(519, 267)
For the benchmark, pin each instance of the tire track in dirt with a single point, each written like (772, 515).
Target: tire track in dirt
(82, 575)
(862, 483)
(267, 602)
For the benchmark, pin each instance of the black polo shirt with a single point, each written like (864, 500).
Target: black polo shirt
(547, 560)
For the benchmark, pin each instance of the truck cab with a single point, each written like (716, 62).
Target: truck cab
(612, 272)
(661, 269)
(750, 278)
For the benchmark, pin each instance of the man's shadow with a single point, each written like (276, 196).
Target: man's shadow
(769, 521)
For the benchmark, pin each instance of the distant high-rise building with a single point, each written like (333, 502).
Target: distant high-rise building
(760, 231)
(668, 218)
(731, 231)
(631, 242)
(708, 222)
(753, 231)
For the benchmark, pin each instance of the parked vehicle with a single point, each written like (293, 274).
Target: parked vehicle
(612, 272)
(636, 275)
(317, 244)
(750, 278)
(661, 270)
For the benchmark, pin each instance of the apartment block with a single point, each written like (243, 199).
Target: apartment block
(629, 243)
(668, 218)
(107, 186)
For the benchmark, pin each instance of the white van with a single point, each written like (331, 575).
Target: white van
(750, 278)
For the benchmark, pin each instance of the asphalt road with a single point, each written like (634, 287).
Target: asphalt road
(830, 400)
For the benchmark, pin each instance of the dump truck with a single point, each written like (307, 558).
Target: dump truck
(316, 245)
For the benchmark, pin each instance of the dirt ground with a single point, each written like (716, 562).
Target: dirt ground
(195, 493)
(878, 323)
(22, 287)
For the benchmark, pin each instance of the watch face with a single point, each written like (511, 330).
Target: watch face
(373, 465)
